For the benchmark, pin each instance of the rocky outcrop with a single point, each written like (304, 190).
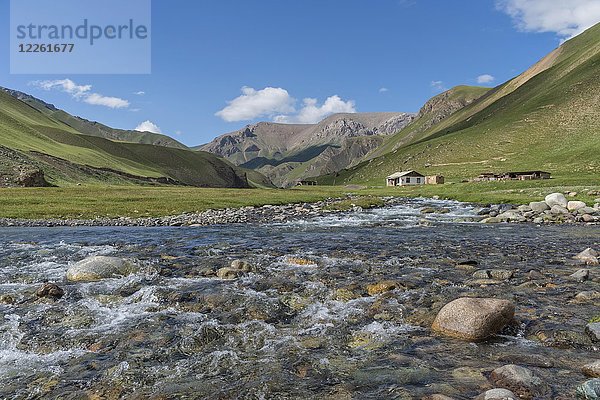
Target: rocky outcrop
(16, 169)
(443, 105)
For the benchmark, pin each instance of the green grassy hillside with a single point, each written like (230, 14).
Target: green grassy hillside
(35, 134)
(95, 128)
(433, 113)
(547, 118)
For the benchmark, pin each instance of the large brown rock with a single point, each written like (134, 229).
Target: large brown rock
(50, 290)
(473, 319)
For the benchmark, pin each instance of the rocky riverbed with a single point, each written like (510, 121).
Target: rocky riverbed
(556, 210)
(392, 303)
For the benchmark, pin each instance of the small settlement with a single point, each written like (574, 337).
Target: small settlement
(507, 176)
(407, 178)
(306, 183)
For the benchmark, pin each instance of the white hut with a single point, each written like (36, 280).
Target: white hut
(406, 178)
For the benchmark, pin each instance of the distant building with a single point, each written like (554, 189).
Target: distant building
(434, 180)
(306, 183)
(528, 175)
(507, 176)
(487, 176)
(405, 178)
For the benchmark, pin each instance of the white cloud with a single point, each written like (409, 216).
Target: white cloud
(566, 18)
(82, 92)
(148, 126)
(253, 104)
(111, 102)
(383, 90)
(278, 105)
(438, 86)
(485, 78)
(65, 85)
(311, 112)
(140, 93)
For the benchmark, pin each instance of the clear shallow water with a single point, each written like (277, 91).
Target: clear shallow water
(175, 331)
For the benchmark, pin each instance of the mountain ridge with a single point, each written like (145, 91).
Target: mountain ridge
(94, 128)
(290, 152)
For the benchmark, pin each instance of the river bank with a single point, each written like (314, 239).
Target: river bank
(556, 210)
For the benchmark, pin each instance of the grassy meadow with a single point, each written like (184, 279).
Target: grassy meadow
(133, 201)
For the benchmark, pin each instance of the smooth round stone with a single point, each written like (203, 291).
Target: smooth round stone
(538, 206)
(558, 199)
(97, 268)
(473, 319)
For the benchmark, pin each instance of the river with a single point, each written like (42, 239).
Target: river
(301, 325)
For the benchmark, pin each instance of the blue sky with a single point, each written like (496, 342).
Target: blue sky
(218, 65)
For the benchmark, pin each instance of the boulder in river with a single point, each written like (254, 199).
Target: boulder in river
(229, 273)
(497, 394)
(556, 199)
(592, 369)
(473, 319)
(581, 275)
(6, 299)
(242, 265)
(593, 331)
(96, 268)
(520, 380)
(491, 220)
(50, 290)
(382, 287)
(588, 256)
(589, 390)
